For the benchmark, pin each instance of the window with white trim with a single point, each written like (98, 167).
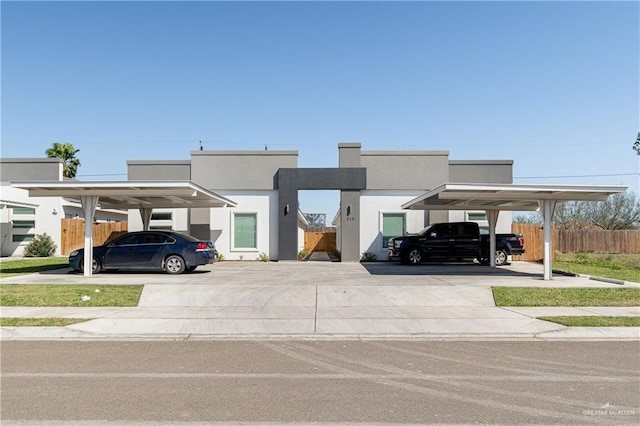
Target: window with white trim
(161, 221)
(23, 224)
(245, 231)
(476, 217)
(393, 225)
(161, 216)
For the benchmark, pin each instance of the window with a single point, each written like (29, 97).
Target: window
(127, 240)
(392, 226)
(160, 228)
(161, 216)
(23, 210)
(244, 230)
(476, 217)
(24, 224)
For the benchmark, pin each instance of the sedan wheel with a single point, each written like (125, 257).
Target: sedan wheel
(174, 265)
(414, 256)
(96, 267)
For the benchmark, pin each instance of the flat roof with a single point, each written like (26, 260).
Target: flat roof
(504, 196)
(121, 195)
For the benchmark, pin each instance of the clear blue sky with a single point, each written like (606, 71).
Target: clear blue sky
(553, 86)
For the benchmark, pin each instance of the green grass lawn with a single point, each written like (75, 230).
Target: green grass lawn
(10, 268)
(69, 295)
(594, 321)
(40, 322)
(536, 296)
(624, 267)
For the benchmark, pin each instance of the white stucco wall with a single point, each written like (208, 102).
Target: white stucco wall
(265, 205)
(373, 204)
(502, 227)
(178, 223)
(300, 239)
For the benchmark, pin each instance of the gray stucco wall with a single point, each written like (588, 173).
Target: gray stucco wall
(20, 169)
(481, 171)
(159, 170)
(349, 180)
(420, 170)
(349, 154)
(239, 170)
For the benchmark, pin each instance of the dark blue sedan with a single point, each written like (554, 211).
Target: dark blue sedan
(172, 252)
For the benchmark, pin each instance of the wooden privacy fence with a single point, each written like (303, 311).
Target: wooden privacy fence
(72, 237)
(577, 241)
(320, 241)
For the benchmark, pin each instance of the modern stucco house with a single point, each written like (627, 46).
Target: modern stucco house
(264, 184)
(22, 216)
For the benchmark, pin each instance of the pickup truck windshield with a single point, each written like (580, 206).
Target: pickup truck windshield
(425, 230)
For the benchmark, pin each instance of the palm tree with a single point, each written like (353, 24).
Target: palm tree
(67, 152)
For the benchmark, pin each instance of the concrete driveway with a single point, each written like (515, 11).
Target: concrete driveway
(311, 299)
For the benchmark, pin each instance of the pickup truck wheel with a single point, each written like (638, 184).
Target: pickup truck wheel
(414, 256)
(501, 257)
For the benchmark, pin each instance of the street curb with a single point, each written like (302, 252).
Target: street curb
(608, 280)
(564, 334)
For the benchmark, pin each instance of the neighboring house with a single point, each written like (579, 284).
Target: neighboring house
(22, 216)
(373, 184)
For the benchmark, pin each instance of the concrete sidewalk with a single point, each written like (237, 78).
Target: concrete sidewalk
(320, 300)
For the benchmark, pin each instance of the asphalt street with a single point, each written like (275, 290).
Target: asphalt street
(319, 382)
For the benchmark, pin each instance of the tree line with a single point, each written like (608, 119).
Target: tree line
(619, 211)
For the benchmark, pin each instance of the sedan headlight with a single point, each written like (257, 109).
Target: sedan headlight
(397, 243)
(74, 253)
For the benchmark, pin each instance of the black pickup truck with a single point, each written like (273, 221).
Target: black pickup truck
(457, 241)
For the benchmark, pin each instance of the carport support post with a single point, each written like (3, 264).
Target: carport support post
(547, 208)
(89, 204)
(492, 218)
(145, 214)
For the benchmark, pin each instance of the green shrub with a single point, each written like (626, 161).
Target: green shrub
(367, 256)
(263, 257)
(303, 254)
(220, 257)
(42, 245)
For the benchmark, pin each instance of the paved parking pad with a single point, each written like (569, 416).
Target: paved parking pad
(309, 300)
(227, 295)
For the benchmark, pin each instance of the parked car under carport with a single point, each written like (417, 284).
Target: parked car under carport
(172, 252)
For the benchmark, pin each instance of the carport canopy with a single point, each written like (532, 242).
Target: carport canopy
(124, 195)
(493, 198)
(16, 204)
